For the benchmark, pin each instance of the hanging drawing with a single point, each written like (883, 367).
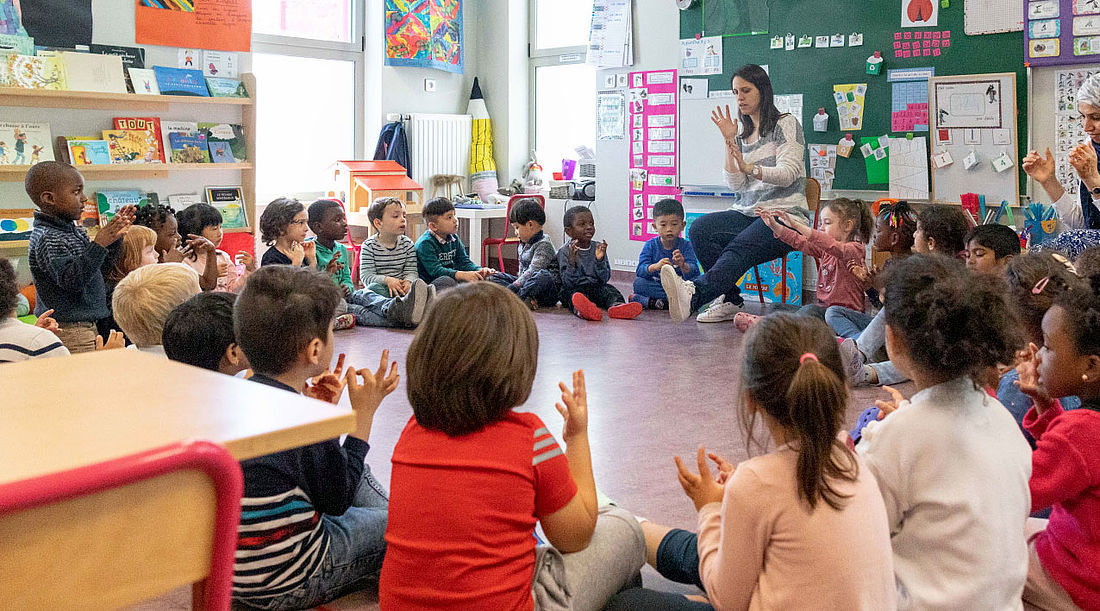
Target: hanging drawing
(425, 34)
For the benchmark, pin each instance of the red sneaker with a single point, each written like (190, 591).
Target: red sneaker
(583, 307)
(625, 311)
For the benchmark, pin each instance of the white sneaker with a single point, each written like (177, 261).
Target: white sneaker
(720, 310)
(679, 293)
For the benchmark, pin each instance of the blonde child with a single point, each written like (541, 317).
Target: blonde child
(951, 464)
(204, 220)
(776, 531)
(472, 477)
(146, 296)
(138, 250)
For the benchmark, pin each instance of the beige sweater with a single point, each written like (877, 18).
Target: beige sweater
(762, 548)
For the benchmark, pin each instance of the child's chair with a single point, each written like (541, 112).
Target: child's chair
(508, 237)
(813, 201)
(102, 562)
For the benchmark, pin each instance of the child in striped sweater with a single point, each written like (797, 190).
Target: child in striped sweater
(387, 259)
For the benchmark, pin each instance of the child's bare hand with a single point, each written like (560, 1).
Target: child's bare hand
(889, 406)
(1028, 370)
(199, 245)
(297, 254)
(701, 488)
(329, 386)
(656, 267)
(115, 339)
(118, 225)
(396, 286)
(468, 276)
(485, 272)
(310, 250)
(768, 216)
(248, 261)
(574, 407)
(366, 397)
(173, 255)
(573, 251)
(725, 468)
(678, 258)
(223, 269)
(601, 250)
(335, 265)
(45, 321)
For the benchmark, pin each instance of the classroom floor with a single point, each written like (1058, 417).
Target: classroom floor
(655, 389)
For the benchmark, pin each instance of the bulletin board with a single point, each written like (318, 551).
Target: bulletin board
(652, 128)
(813, 72)
(981, 125)
(1062, 32)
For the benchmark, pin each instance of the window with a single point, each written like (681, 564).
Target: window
(563, 96)
(308, 59)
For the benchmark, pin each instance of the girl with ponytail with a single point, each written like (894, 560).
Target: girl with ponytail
(796, 510)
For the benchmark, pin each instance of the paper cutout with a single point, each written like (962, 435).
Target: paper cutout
(844, 147)
(1001, 162)
(788, 42)
(694, 88)
(822, 42)
(653, 172)
(855, 39)
(970, 160)
(878, 168)
(701, 56)
(974, 103)
(849, 105)
(791, 103)
(823, 164)
(919, 13)
(909, 168)
(777, 42)
(821, 122)
(942, 160)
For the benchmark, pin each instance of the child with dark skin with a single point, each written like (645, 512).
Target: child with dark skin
(585, 287)
(172, 248)
(332, 227)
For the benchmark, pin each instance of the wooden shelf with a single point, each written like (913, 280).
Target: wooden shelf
(238, 230)
(14, 244)
(15, 173)
(48, 98)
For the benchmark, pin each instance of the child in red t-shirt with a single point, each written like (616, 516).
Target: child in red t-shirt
(471, 477)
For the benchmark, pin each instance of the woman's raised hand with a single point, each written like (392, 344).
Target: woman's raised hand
(1039, 168)
(1083, 160)
(725, 122)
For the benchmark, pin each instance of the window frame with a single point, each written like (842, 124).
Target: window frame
(539, 58)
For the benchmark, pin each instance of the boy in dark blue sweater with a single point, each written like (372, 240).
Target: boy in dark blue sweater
(313, 519)
(585, 272)
(67, 267)
(668, 248)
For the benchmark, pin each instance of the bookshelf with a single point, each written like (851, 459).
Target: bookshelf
(243, 109)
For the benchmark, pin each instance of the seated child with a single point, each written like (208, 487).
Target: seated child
(67, 267)
(585, 272)
(200, 332)
(138, 250)
(668, 248)
(472, 477)
(441, 257)
(18, 340)
(387, 259)
(950, 462)
(990, 248)
(328, 222)
(162, 219)
(146, 296)
(204, 220)
(283, 228)
(313, 517)
(775, 532)
(539, 281)
(1088, 262)
(839, 246)
(1065, 466)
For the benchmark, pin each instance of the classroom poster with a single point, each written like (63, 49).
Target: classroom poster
(1068, 131)
(771, 277)
(849, 100)
(909, 98)
(425, 34)
(1060, 32)
(610, 110)
(653, 155)
(220, 25)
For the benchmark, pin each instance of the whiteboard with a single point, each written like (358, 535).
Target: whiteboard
(702, 148)
(950, 182)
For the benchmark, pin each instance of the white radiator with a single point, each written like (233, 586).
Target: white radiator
(439, 144)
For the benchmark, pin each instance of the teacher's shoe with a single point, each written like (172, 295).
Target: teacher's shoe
(719, 310)
(679, 293)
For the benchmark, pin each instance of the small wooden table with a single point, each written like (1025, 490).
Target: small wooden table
(477, 218)
(144, 539)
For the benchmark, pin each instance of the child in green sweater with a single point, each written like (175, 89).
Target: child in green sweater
(441, 256)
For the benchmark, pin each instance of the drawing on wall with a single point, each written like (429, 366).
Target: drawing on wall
(919, 13)
(968, 104)
(909, 168)
(425, 34)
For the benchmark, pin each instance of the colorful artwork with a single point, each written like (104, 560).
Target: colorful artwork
(425, 34)
(771, 280)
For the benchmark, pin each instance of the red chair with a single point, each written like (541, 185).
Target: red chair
(813, 200)
(114, 476)
(508, 237)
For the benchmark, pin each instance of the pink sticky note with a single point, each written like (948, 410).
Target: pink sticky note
(897, 45)
(935, 52)
(928, 44)
(928, 52)
(936, 34)
(904, 45)
(947, 33)
(935, 44)
(897, 53)
(946, 43)
(897, 35)
(907, 35)
(905, 54)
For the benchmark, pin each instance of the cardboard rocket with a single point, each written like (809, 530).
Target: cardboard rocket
(483, 169)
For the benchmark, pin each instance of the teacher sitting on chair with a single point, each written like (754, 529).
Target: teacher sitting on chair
(764, 165)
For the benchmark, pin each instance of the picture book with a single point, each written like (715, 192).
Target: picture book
(109, 201)
(89, 152)
(90, 72)
(31, 72)
(180, 201)
(188, 147)
(150, 127)
(167, 127)
(180, 81)
(230, 202)
(16, 224)
(132, 57)
(220, 152)
(219, 63)
(228, 133)
(225, 87)
(25, 143)
(144, 81)
(130, 146)
(13, 43)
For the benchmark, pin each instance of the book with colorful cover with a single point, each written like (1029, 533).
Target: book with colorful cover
(229, 133)
(229, 201)
(180, 81)
(89, 152)
(220, 152)
(25, 143)
(14, 43)
(168, 126)
(129, 146)
(150, 127)
(31, 72)
(108, 202)
(188, 147)
(226, 87)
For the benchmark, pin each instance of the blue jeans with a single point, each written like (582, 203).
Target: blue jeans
(370, 308)
(846, 322)
(356, 548)
(729, 244)
(652, 289)
(540, 286)
(677, 560)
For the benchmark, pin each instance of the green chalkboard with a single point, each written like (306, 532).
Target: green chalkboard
(813, 72)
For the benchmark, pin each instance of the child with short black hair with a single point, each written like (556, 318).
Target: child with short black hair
(387, 259)
(1064, 552)
(283, 228)
(539, 281)
(312, 518)
(667, 248)
(585, 272)
(956, 511)
(441, 257)
(492, 474)
(329, 223)
(941, 229)
(200, 332)
(67, 267)
(204, 220)
(144, 299)
(990, 248)
(18, 340)
(1088, 262)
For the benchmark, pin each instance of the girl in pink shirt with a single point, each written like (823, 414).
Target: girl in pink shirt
(802, 526)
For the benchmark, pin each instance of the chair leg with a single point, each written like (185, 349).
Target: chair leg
(759, 284)
(500, 257)
(783, 286)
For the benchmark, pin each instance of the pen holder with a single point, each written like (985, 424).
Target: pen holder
(568, 166)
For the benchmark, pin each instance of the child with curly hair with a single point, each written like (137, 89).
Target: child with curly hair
(283, 226)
